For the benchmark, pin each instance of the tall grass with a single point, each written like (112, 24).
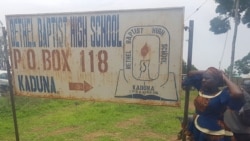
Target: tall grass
(73, 120)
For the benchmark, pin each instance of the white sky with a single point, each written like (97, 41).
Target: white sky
(207, 47)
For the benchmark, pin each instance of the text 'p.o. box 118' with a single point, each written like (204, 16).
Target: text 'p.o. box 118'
(131, 56)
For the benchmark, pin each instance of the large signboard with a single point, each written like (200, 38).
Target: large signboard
(132, 56)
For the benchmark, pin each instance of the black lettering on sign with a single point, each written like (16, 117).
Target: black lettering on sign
(132, 33)
(51, 31)
(128, 60)
(78, 28)
(157, 30)
(21, 32)
(105, 31)
(164, 53)
(42, 84)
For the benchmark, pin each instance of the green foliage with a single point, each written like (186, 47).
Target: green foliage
(225, 7)
(219, 25)
(184, 67)
(245, 19)
(243, 65)
(227, 71)
(225, 10)
(2, 53)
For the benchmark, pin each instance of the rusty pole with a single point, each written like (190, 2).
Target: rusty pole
(189, 65)
(6, 56)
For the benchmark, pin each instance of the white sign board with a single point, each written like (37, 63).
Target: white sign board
(132, 56)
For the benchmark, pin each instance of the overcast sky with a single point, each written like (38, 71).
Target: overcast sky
(208, 49)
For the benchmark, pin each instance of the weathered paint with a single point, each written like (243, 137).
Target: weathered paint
(132, 56)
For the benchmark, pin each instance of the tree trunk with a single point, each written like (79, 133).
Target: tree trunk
(236, 20)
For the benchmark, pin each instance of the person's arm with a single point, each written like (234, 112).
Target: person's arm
(235, 90)
(194, 79)
(195, 72)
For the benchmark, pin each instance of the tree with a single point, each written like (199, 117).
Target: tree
(225, 9)
(240, 10)
(1, 52)
(227, 70)
(184, 67)
(2, 55)
(243, 65)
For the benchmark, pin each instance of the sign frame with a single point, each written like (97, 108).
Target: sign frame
(130, 56)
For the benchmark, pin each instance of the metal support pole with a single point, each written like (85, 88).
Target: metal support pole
(6, 56)
(189, 65)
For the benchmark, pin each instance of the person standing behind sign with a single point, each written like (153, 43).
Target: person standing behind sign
(239, 121)
(210, 104)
